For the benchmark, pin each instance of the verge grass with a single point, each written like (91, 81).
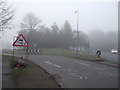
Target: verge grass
(61, 52)
(33, 76)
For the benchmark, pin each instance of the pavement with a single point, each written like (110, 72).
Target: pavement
(7, 81)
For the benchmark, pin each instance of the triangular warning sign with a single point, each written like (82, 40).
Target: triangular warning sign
(21, 41)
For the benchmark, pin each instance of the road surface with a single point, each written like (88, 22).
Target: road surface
(110, 56)
(73, 73)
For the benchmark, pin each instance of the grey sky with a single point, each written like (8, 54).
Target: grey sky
(92, 15)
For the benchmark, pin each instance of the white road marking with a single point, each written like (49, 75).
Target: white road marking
(81, 63)
(75, 75)
(71, 74)
(85, 76)
(84, 64)
(52, 64)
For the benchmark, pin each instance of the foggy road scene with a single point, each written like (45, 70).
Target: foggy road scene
(69, 43)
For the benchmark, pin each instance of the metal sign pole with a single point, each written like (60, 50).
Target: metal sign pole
(21, 42)
(13, 53)
(13, 47)
(27, 55)
(27, 51)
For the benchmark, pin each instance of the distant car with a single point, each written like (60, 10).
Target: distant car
(114, 51)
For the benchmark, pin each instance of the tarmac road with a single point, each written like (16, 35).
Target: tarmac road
(110, 56)
(73, 73)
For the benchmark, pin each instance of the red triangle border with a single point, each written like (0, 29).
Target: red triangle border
(21, 45)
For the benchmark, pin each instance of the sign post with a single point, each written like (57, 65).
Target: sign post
(13, 46)
(21, 42)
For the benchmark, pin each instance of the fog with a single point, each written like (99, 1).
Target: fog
(105, 41)
(98, 20)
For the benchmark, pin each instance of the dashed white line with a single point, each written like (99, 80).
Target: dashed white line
(81, 63)
(84, 64)
(52, 64)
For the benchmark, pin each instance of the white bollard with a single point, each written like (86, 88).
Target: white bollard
(34, 51)
(28, 50)
(38, 50)
(31, 50)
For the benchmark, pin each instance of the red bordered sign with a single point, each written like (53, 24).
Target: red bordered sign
(21, 41)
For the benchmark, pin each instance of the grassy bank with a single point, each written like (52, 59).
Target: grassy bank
(31, 76)
(69, 53)
(57, 51)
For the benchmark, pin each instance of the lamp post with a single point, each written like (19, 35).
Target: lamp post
(77, 29)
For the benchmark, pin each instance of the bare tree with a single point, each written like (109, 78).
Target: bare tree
(6, 15)
(29, 26)
(30, 22)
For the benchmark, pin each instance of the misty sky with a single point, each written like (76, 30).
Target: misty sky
(92, 15)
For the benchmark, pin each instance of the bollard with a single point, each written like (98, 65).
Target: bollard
(98, 57)
(28, 50)
(98, 53)
(38, 50)
(31, 50)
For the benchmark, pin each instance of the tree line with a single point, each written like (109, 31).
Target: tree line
(40, 36)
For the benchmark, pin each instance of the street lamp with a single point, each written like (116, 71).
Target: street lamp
(77, 29)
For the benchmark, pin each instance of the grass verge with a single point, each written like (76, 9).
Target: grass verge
(62, 52)
(33, 77)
